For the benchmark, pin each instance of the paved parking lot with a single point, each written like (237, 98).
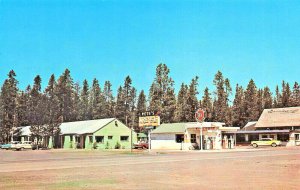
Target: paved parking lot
(277, 168)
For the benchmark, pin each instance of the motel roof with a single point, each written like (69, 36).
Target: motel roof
(279, 117)
(250, 126)
(84, 127)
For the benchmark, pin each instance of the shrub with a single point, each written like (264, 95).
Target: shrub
(95, 145)
(107, 145)
(118, 145)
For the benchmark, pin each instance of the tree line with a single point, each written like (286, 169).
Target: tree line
(64, 100)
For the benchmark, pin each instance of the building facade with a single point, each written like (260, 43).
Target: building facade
(190, 136)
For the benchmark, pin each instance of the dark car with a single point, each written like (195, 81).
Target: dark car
(141, 145)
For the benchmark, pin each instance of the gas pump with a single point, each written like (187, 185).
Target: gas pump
(226, 142)
(232, 142)
(208, 144)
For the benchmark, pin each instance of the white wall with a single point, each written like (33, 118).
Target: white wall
(167, 141)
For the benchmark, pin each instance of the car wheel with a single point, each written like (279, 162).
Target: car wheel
(273, 144)
(255, 145)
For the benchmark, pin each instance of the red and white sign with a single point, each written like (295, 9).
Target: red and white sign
(200, 115)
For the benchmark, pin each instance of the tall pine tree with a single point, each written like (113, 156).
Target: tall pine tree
(251, 102)
(9, 93)
(162, 95)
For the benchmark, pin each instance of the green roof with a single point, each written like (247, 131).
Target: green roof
(170, 128)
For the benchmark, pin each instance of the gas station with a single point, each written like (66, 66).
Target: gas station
(194, 135)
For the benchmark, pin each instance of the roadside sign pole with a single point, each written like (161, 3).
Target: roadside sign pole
(200, 116)
(201, 133)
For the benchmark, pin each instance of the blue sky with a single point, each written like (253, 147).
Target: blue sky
(112, 39)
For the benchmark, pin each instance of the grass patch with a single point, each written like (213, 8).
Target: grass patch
(82, 184)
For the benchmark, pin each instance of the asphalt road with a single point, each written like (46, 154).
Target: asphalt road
(267, 169)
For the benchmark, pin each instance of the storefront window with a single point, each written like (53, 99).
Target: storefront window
(253, 137)
(193, 138)
(283, 137)
(240, 138)
(179, 138)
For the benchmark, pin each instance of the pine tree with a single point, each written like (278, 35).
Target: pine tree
(132, 110)
(238, 112)
(260, 101)
(161, 94)
(182, 108)
(22, 109)
(267, 98)
(76, 102)
(53, 119)
(126, 96)
(97, 101)
(223, 90)
(206, 104)
(277, 100)
(37, 110)
(65, 92)
(120, 106)
(109, 100)
(192, 101)
(286, 94)
(127, 88)
(84, 99)
(296, 95)
(9, 94)
(250, 104)
(141, 103)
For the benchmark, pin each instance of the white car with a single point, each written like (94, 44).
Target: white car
(23, 145)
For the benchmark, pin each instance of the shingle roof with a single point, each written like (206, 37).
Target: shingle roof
(250, 126)
(170, 128)
(84, 127)
(279, 117)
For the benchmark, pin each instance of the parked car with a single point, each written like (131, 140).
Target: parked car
(23, 145)
(10, 145)
(266, 142)
(141, 145)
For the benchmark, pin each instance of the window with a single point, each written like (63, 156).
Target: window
(110, 137)
(91, 139)
(193, 138)
(283, 137)
(124, 138)
(99, 139)
(264, 136)
(71, 138)
(179, 138)
(297, 136)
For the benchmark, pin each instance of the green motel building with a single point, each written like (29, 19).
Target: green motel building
(96, 134)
